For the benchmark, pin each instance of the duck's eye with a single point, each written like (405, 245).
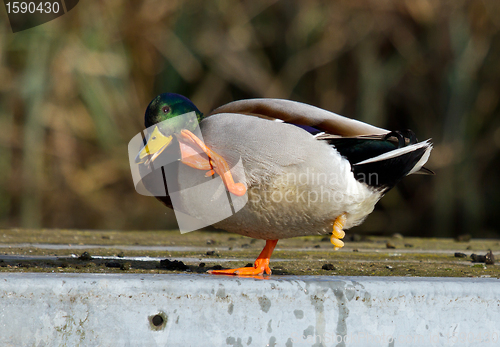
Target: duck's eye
(165, 109)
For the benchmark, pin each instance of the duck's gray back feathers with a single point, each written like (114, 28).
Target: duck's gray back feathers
(300, 113)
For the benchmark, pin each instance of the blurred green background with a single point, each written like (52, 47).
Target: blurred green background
(73, 93)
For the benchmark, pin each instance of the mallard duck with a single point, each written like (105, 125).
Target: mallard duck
(305, 170)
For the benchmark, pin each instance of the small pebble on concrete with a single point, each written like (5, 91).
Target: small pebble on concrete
(328, 267)
(85, 256)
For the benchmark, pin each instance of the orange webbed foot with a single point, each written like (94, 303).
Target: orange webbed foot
(260, 267)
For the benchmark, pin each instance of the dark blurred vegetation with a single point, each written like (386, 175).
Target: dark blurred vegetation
(73, 93)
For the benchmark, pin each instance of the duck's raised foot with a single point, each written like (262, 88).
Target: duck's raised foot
(190, 145)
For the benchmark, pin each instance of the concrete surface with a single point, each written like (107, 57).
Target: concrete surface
(59, 250)
(39, 309)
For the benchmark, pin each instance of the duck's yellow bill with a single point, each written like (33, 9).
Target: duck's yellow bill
(157, 142)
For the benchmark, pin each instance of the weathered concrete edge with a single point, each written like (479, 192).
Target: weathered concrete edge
(203, 310)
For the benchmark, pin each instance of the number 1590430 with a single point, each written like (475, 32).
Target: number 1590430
(31, 7)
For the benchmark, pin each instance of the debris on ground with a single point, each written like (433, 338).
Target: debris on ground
(113, 264)
(476, 258)
(173, 265)
(390, 245)
(460, 255)
(125, 266)
(488, 258)
(85, 256)
(328, 267)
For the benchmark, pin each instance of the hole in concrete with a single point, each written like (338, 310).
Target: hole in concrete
(157, 320)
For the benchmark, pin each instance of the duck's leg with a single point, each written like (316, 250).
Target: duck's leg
(337, 232)
(261, 265)
(215, 162)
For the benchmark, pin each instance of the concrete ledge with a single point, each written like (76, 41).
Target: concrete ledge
(202, 310)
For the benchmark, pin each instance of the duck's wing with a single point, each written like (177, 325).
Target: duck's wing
(301, 114)
(368, 148)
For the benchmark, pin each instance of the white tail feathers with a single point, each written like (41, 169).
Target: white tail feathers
(404, 150)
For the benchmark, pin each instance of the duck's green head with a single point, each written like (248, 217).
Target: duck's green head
(167, 106)
(164, 111)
